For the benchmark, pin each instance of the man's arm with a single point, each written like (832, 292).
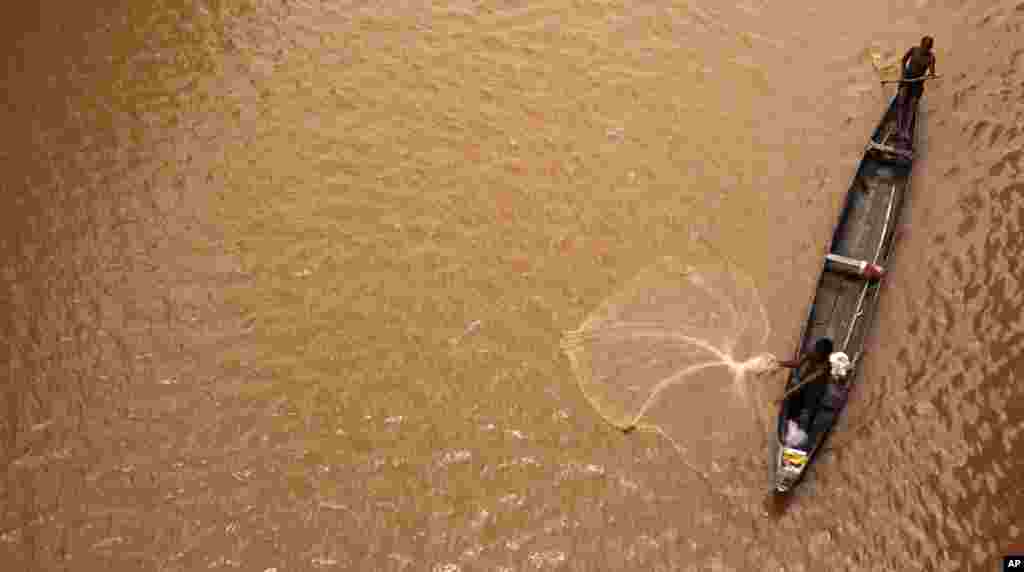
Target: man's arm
(932, 65)
(793, 363)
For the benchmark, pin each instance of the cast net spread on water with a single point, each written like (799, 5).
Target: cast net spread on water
(673, 352)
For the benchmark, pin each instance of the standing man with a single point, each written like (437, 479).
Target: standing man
(916, 64)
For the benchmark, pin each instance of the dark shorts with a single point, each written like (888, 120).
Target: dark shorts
(809, 397)
(914, 90)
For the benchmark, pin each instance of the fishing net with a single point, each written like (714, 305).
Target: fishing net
(674, 352)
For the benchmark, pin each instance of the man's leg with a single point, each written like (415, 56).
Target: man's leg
(908, 117)
(901, 110)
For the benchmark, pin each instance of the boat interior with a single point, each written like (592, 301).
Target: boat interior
(844, 302)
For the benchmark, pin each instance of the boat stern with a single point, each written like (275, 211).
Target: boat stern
(788, 468)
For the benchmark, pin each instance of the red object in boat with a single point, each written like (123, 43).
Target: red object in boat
(873, 271)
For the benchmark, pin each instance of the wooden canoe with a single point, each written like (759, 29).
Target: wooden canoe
(846, 298)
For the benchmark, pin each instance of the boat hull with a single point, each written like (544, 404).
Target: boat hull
(844, 301)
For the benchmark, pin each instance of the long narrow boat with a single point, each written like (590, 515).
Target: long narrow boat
(847, 294)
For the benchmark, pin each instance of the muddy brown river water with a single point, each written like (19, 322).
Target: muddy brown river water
(284, 281)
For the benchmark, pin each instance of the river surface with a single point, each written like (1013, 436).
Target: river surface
(284, 282)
